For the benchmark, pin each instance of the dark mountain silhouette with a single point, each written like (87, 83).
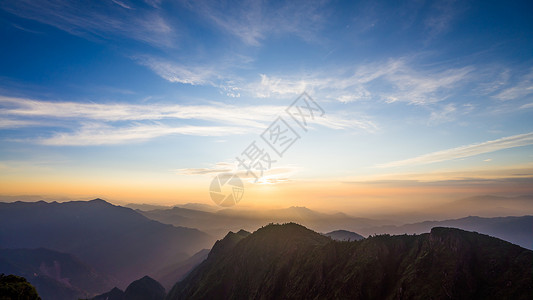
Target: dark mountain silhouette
(169, 275)
(114, 240)
(145, 288)
(114, 294)
(16, 287)
(517, 230)
(56, 275)
(344, 235)
(292, 262)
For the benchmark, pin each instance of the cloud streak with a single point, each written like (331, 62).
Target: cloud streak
(172, 72)
(254, 21)
(521, 89)
(270, 176)
(390, 81)
(102, 19)
(100, 124)
(221, 167)
(465, 151)
(97, 134)
(256, 116)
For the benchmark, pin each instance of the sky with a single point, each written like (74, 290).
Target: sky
(381, 103)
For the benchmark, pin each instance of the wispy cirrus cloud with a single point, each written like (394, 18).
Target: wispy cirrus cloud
(173, 72)
(522, 88)
(253, 21)
(255, 116)
(101, 19)
(527, 105)
(14, 123)
(221, 167)
(99, 134)
(114, 123)
(465, 151)
(270, 176)
(390, 81)
(442, 15)
(218, 74)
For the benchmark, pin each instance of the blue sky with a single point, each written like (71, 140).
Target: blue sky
(171, 91)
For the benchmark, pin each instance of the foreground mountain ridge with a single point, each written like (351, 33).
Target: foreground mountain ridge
(292, 262)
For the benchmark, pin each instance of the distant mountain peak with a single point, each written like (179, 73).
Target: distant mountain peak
(145, 288)
(99, 200)
(344, 235)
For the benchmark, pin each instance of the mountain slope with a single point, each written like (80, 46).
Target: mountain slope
(55, 275)
(517, 230)
(291, 262)
(114, 240)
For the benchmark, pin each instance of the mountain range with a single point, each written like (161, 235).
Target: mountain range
(218, 223)
(116, 241)
(80, 249)
(517, 230)
(290, 261)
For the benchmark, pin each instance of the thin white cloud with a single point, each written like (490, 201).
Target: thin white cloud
(250, 116)
(221, 167)
(14, 123)
(270, 176)
(122, 4)
(527, 105)
(443, 115)
(448, 113)
(254, 21)
(194, 75)
(123, 123)
(390, 81)
(100, 19)
(441, 16)
(466, 151)
(523, 88)
(98, 134)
